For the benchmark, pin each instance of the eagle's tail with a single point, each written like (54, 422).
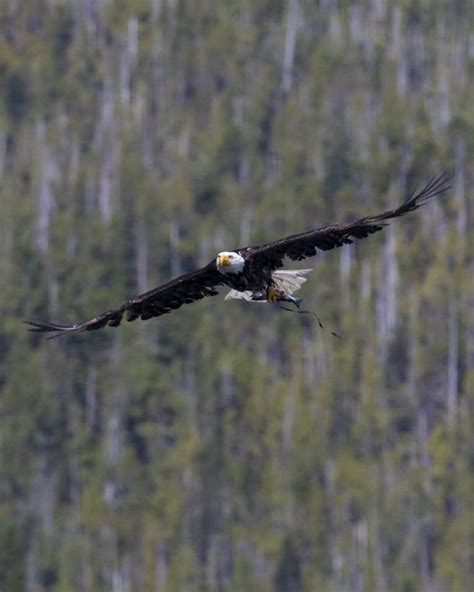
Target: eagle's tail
(286, 280)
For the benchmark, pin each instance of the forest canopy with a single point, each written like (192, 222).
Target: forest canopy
(230, 446)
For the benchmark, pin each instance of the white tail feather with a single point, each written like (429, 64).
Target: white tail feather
(287, 280)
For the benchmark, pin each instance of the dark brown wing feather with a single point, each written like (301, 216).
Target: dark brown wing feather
(159, 301)
(306, 244)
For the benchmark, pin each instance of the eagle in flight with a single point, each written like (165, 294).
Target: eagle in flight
(253, 273)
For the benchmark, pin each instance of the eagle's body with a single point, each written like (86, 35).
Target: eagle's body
(253, 273)
(266, 286)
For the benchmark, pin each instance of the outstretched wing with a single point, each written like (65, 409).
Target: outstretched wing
(306, 244)
(159, 301)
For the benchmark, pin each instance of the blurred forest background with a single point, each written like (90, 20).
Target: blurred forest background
(228, 446)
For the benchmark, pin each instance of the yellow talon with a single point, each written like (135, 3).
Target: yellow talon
(273, 295)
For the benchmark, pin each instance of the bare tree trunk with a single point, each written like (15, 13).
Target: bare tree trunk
(453, 373)
(423, 519)
(175, 257)
(161, 565)
(142, 257)
(386, 304)
(91, 398)
(107, 143)
(44, 198)
(290, 42)
(460, 187)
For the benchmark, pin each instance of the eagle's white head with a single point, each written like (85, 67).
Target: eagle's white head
(230, 262)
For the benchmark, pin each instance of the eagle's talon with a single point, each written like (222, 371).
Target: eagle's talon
(273, 295)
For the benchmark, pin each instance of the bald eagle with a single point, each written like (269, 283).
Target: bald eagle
(253, 273)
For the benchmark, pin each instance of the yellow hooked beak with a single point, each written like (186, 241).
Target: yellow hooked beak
(224, 260)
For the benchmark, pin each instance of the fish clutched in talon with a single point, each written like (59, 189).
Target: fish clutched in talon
(274, 297)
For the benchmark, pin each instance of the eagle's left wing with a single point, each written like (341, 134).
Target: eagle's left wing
(299, 246)
(159, 301)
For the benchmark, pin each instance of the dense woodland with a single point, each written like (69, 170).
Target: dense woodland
(231, 446)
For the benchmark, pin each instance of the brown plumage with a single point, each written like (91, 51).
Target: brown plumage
(259, 263)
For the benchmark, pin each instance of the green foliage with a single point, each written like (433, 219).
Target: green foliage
(13, 547)
(231, 446)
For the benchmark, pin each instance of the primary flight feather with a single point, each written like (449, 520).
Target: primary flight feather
(252, 273)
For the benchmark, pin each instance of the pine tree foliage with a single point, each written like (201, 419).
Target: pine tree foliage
(231, 446)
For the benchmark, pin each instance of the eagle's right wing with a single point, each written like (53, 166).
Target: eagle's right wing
(184, 289)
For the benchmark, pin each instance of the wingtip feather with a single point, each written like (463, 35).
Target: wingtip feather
(44, 327)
